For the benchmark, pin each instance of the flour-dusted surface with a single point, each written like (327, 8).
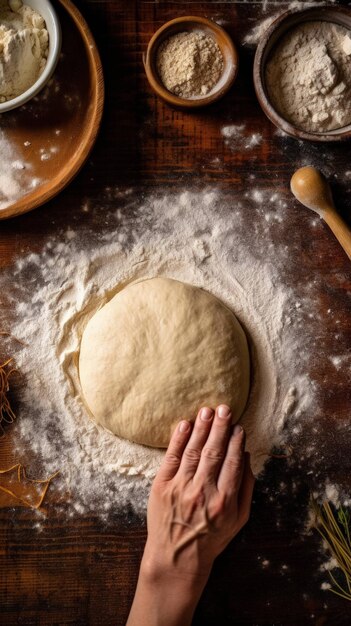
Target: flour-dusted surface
(79, 569)
(197, 237)
(16, 173)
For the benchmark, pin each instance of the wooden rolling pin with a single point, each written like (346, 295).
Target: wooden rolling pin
(311, 189)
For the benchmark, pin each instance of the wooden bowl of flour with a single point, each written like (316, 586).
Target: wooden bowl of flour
(200, 25)
(268, 44)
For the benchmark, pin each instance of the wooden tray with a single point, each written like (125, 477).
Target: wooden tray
(53, 134)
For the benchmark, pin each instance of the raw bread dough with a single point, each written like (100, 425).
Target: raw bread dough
(156, 353)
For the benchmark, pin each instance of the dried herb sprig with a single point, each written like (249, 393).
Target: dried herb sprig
(334, 527)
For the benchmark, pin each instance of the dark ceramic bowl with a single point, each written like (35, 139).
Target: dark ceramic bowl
(286, 21)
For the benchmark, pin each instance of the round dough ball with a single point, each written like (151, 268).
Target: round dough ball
(156, 353)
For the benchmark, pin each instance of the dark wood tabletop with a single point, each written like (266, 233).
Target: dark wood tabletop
(83, 572)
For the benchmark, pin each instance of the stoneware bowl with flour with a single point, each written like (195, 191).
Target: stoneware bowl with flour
(19, 59)
(302, 73)
(211, 87)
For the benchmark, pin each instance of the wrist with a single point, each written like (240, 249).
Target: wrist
(164, 597)
(159, 569)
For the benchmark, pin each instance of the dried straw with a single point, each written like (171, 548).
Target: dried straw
(334, 527)
(6, 413)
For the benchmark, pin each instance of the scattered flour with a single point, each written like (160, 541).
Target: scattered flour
(253, 140)
(65, 283)
(256, 33)
(325, 586)
(15, 178)
(233, 131)
(236, 138)
(47, 154)
(328, 565)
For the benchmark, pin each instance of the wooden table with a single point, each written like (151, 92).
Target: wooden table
(81, 572)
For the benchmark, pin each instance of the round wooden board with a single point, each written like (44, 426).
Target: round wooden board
(54, 133)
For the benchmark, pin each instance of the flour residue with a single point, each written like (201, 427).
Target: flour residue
(196, 237)
(254, 35)
(16, 179)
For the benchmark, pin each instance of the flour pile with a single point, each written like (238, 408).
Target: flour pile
(24, 47)
(308, 76)
(190, 64)
(196, 237)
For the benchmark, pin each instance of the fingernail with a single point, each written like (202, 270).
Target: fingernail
(237, 430)
(223, 411)
(206, 414)
(184, 426)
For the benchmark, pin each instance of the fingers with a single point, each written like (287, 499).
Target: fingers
(214, 450)
(173, 456)
(231, 472)
(246, 491)
(210, 453)
(199, 435)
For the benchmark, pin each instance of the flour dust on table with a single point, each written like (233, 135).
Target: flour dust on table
(200, 238)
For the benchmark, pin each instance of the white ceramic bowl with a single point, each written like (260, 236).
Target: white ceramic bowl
(45, 8)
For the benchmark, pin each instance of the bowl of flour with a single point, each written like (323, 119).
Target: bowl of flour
(302, 73)
(191, 62)
(30, 44)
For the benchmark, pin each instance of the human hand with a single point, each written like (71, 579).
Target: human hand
(200, 498)
(199, 501)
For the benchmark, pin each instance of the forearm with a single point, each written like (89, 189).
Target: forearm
(199, 500)
(164, 600)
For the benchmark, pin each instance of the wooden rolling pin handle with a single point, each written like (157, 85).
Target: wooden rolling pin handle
(340, 229)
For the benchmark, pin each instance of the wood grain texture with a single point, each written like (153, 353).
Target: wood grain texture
(81, 572)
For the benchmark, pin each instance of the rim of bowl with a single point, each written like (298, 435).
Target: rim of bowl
(55, 41)
(338, 15)
(225, 43)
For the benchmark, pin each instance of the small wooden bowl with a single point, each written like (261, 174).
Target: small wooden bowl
(226, 46)
(289, 19)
